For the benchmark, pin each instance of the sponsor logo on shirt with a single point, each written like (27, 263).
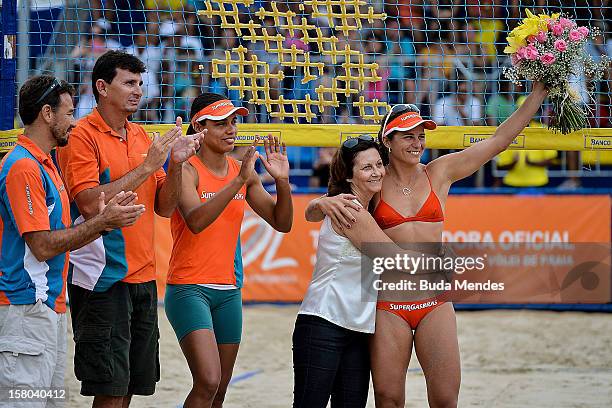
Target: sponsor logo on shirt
(209, 194)
(29, 199)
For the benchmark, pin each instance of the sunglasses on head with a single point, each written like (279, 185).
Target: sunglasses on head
(56, 84)
(354, 141)
(407, 107)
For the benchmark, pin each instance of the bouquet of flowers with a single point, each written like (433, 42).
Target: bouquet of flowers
(551, 49)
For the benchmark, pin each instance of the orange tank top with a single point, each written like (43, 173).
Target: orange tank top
(388, 217)
(208, 257)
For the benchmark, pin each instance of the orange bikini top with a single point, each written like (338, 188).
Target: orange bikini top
(431, 211)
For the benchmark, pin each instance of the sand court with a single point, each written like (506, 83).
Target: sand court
(509, 359)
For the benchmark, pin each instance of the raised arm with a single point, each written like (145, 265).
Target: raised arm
(79, 164)
(198, 215)
(278, 214)
(167, 197)
(456, 166)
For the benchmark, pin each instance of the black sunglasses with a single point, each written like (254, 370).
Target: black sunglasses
(56, 84)
(354, 141)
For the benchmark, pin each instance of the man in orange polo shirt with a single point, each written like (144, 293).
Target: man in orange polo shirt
(35, 237)
(113, 295)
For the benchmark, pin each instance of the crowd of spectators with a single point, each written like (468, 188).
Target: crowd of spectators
(444, 55)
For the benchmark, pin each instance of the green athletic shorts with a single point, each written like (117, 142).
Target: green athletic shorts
(195, 307)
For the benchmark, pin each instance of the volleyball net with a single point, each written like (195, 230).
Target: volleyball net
(313, 62)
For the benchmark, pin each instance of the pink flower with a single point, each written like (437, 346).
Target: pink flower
(584, 31)
(521, 53)
(541, 37)
(516, 59)
(575, 36)
(557, 29)
(548, 58)
(560, 45)
(531, 52)
(566, 23)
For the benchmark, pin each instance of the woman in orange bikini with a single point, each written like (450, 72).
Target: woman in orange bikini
(410, 187)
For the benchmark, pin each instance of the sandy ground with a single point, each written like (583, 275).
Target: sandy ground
(509, 359)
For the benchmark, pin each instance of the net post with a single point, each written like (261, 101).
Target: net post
(8, 63)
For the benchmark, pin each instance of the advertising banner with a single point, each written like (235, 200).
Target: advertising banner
(278, 266)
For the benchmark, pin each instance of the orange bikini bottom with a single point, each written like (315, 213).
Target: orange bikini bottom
(411, 312)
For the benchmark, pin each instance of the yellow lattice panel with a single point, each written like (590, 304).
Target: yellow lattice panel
(321, 91)
(361, 78)
(321, 40)
(349, 10)
(379, 109)
(334, 53)
(209, 11)
(249, 76)
(275, 14)
(303, 26)
(295, 113)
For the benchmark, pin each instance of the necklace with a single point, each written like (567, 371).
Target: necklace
(406, 190)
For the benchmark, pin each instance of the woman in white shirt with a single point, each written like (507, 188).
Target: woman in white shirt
(336, 318)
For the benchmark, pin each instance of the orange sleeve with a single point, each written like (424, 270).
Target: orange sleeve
(160, 177)
(79, 163)
(27, 197)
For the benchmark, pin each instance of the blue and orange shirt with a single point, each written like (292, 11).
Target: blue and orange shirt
(213, 256)
(97, 155)
(32, 198)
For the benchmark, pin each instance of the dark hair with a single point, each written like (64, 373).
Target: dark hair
(341, 167)
(106, 67)
(384, 151)
(30, 102)
(199, 103)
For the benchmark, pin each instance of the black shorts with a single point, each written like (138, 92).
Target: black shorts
(116, 336)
